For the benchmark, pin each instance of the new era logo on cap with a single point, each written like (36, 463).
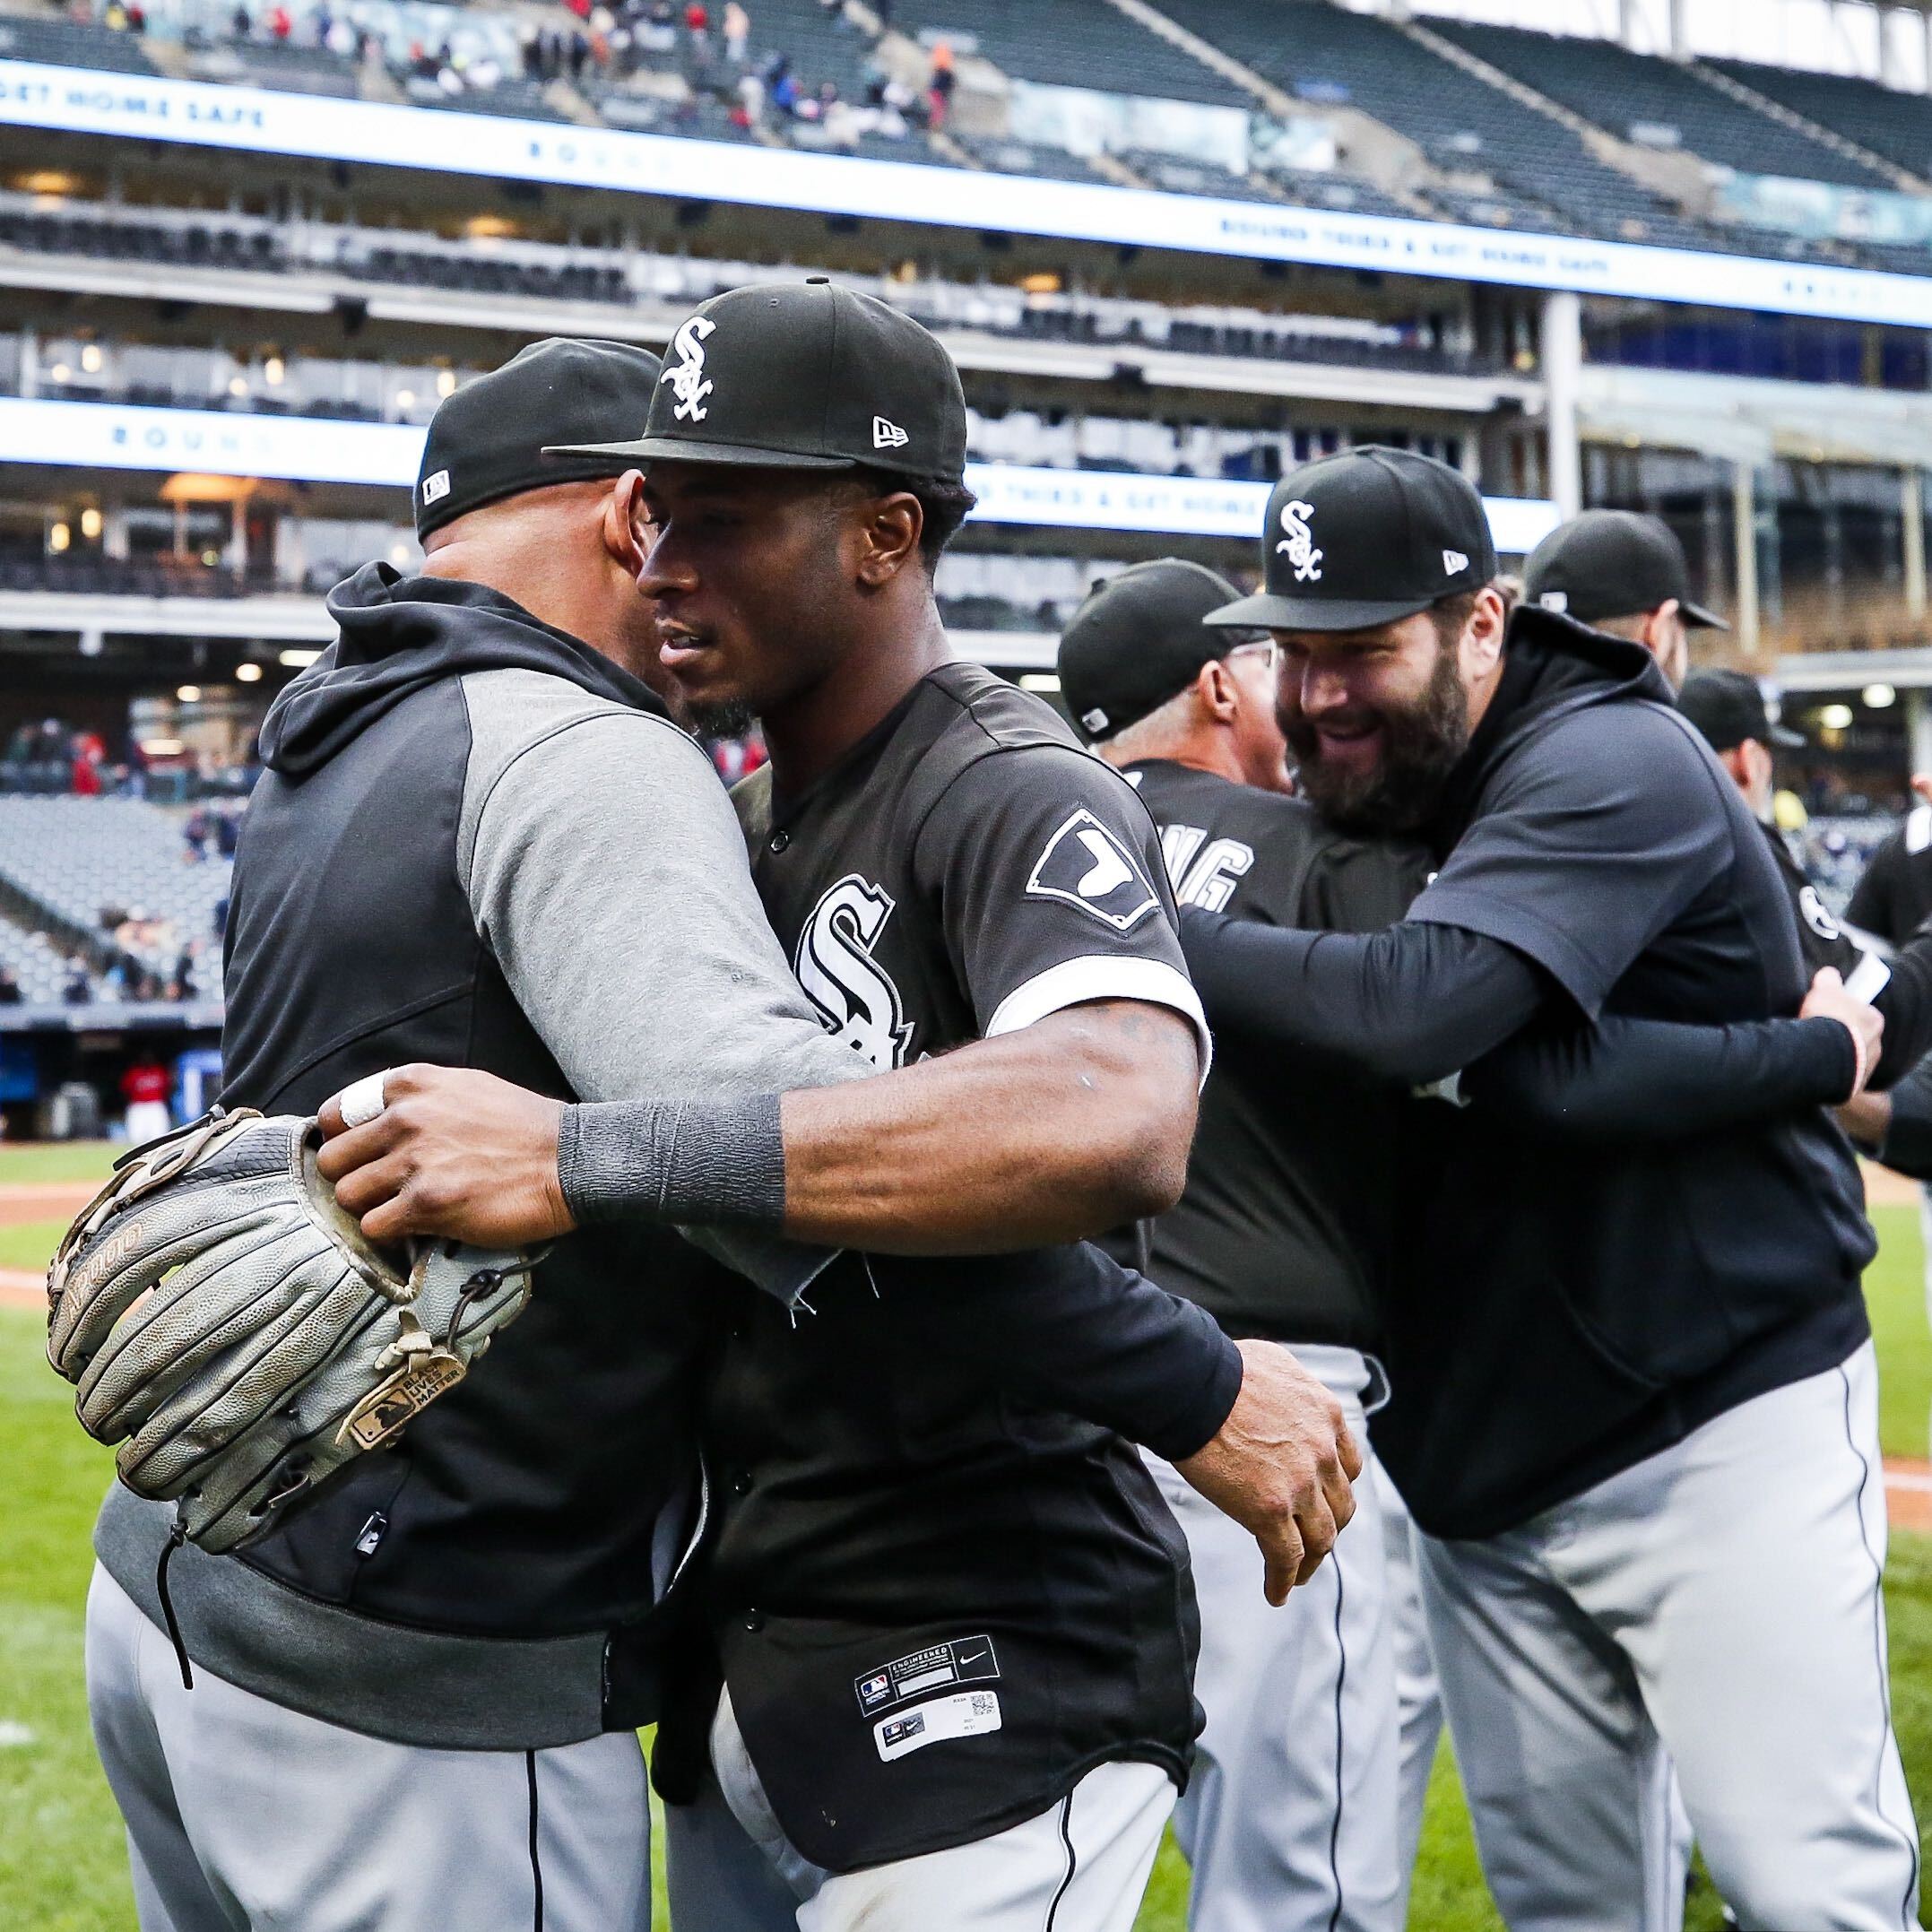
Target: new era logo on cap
(888, 435)
(1453, 561)
(434, 487)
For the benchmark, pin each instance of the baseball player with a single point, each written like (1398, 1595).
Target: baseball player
(956, 1635)
(1290, 1820)
(1627, 1381)
(480, 838)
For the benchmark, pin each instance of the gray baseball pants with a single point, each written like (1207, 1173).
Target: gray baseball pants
(244, 1816)
(1290, 1821)
(1717, 1605)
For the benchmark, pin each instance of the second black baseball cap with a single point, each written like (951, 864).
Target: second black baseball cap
(1365, 537)
(1613, 563)
(802, 375)
(487, 440)
(1138, 638)
(1729, 707)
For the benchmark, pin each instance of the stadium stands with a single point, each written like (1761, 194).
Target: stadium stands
(74, 858)
(1655, 102)
(1071, 43)
(1465, 126)
(64, 43)
(38, 966)
(1897, 126)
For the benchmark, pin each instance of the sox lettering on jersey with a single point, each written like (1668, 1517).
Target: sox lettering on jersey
(856, 997)
(1298, 541)
(686, 377)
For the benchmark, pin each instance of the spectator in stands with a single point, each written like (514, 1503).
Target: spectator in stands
(181, 987)
(940, 86)
(220, 919)
(84, 779)
(10, 992)
(737, 32)
(196, 830)
(78, 988)
(227, 833)
(144, 1088)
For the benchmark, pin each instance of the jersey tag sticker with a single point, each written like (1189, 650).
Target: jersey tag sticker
(963, 1660)
(1086, 865)
(964, 1714)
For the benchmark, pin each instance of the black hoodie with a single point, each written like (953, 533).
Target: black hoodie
(483, 1582)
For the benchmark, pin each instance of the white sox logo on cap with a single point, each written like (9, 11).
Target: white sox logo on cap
(1298, 541)
(686, 377)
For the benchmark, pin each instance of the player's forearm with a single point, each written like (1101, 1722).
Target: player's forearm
(1637, 1079)
(1057, 1131)
(1408, 1005)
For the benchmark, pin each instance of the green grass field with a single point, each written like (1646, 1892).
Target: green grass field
(62, 1865)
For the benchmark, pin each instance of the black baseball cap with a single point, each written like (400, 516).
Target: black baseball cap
(1729, 707)
(1613, 563)
(1365, 537)
(802, 375)
(1138, 638)
(487, 440)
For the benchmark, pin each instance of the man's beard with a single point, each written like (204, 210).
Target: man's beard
(725, 718)
(1420, 746)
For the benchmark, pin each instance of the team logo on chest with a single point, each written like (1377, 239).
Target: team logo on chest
(1086, 865)
(686, 377)
(834, 963)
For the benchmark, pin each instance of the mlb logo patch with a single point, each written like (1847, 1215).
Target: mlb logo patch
(875, 1689)
(1086, 865)
(434, 487)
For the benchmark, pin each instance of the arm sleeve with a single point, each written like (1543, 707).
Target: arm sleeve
(1627, 1080)
(1907, 1146)
(1068, 1329)
(606, 871)
(1593, 836)
(1047, 873)
(1410, 1005)
(1905, 1000)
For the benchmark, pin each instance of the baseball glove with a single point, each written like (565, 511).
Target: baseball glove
(229, 1325)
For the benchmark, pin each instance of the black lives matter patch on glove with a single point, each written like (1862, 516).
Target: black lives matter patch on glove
(963, 1660)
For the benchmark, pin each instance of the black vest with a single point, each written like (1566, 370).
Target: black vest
(526, 1503)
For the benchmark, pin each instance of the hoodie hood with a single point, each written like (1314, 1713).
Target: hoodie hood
(397, 635)
(1552, 665)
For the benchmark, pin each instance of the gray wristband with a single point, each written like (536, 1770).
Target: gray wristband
(671, 1160)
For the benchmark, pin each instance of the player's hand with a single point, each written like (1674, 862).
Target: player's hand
(1922, 786)
(454, 1152)
(1281, 1465)
(1828, 1000)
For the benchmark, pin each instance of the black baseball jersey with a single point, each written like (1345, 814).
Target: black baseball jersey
(937, 1604)
(1281, 1232)
(1894, 897)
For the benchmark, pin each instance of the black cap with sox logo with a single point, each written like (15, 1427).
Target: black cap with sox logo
(802, 375)
(1364, 538)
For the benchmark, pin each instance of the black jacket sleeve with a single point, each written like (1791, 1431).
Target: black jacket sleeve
(1907, 1143)
(1409, 1005)
(1070, 1329)
(1643, 1079)
(1905, 1000)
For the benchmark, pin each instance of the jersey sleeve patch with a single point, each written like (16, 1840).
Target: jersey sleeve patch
(1086, 865)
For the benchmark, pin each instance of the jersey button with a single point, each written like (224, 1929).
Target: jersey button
(753, 1621)
(780, 840)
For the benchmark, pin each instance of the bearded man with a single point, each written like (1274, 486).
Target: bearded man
(1631, 1377)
